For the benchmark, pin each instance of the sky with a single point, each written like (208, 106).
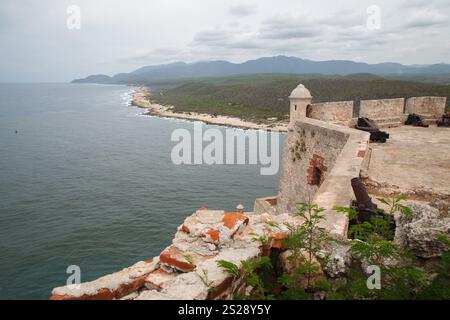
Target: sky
(39, 43)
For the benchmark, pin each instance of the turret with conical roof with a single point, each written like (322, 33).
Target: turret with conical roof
(300, 98)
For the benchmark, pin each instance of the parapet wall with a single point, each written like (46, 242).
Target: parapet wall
(319, 161)
(310, 145)
(384, 112)
(434, 106)
(384, 108)
(336, 112)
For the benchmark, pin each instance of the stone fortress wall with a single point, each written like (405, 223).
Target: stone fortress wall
(309, 155)
(386, 113)
(336, 112)
(320, 159)
(433, 106)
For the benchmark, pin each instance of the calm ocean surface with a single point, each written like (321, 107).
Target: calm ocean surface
(87, 181)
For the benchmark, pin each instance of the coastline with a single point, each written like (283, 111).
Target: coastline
(139, 99)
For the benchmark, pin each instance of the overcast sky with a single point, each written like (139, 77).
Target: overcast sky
(123, 35)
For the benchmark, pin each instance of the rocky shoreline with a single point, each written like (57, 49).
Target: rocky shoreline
(140, 100)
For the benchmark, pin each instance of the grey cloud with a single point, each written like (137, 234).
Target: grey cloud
(425, 18)
(293, 33)
(36, 45)
(155, 56)
(243, 10)
(288, 27)
(212, 36)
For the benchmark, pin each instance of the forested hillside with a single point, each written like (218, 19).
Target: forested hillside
(261, 96)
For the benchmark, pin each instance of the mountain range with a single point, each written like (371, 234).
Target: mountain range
(277, 64)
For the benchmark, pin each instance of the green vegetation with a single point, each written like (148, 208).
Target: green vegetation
(262, 96)
(372, 250)
(305, 242)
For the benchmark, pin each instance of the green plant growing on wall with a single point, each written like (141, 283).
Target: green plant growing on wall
(230, 267)
(189, 259)
(439, 288)
(395, 206)
(399, 278)
(265, 240)
(305, 241)
(205, 279)
(248, 271)
(377, 225)
(373, 245)
(298, 149)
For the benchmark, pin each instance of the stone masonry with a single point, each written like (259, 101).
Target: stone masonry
(384, 112)
(430, 108)
(334, 112)
(308, 147)
(187, 269)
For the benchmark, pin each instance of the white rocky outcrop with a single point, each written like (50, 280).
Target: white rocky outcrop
(419, 233)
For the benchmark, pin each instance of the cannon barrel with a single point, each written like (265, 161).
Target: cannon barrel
(362, 197)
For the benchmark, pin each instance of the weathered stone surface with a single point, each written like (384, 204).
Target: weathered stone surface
(277, 240)
(419, 232)
(113, 286)
(212, 236)
(180, 260)
(232, 219)
(266, 205)
(187, 286)
(211, 226)
(154, 295)
(221, 284)
(309, 138)
(336, 112)
(383, 108)
(434, 106)
(159, 279)
(200, 238)
(198, 245)
(130, 296)
(336, 257)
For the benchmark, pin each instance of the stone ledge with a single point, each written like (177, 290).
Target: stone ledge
(113, 286)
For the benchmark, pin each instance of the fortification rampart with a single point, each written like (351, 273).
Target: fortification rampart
(385, 113)
(319, 161)
(335, 112)
(433, 106)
